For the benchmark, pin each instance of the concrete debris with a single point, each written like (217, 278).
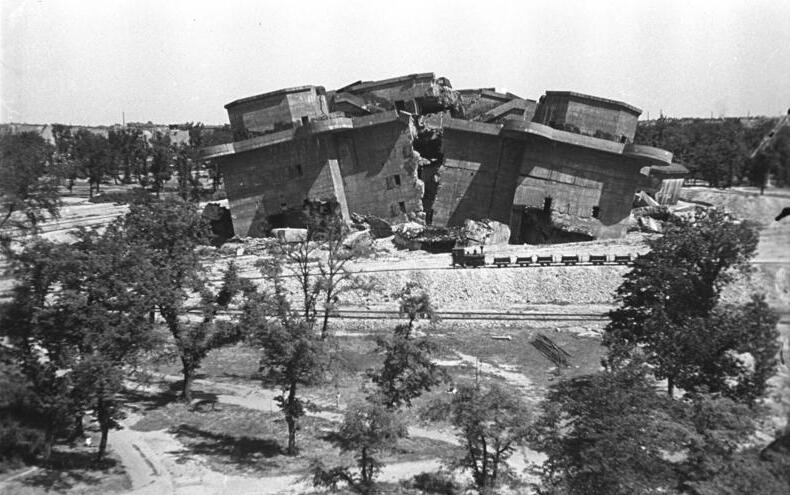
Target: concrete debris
(414, 236)
(290, 235)
(378, 227)
(646, 199)
(650, 224)
(358, 239)
(485, 232)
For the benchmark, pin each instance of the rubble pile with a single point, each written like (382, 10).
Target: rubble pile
(485, 232)
(378, 227)
(491, 288)
(414, 236)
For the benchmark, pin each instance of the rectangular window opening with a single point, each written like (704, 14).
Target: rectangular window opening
(305, 119)
(596, 212)
(402, 206)
(396, 178)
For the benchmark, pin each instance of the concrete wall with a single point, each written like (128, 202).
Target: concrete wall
(472, 175)
(266, 181)
(589, 114)
(355, 166)
(406, 89)
(486, 175)
(278, 110)
(578, 180)
(371, 157)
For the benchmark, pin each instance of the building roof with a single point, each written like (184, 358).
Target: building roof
(597, 99)
(284, 91)
(334, 124)
(520, 129)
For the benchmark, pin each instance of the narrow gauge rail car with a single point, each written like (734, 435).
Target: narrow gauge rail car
(474, 257)
(468, 256)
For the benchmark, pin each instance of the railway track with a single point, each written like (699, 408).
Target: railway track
(363, 314)
(480, 315)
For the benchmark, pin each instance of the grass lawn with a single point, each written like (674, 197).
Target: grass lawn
(241, 441)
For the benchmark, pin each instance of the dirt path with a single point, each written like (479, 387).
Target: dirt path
(155, 465)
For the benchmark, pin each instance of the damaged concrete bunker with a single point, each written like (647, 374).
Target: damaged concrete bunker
(411, 147)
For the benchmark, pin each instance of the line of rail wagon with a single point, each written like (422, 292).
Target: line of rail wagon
(474, 257)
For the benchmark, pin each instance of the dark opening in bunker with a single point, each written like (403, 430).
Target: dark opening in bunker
(535, 226)
(428, 143)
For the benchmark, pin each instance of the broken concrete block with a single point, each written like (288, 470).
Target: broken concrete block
(500, 233)
(651, 224)
(290, 235)
(358, 239)
(379, 227)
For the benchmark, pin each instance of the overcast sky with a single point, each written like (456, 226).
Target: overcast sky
(85, 62)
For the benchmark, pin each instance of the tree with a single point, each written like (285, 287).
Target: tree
(491, 424)
(195, 340)
(28, 189)
(322, 279)
(674, 288)
(63, 156)
(92, 154)
(609, 433)
(21, 435)
(732, 351)
(408, 369)
(43, 355)
(161, 161)
(367, 429)
(186, 160)
(293, 354)
(170, 230)
(79, 316)
(612, 433)
(128, 149)
(773, 161)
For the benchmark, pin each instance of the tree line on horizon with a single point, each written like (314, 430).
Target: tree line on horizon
(719, 151)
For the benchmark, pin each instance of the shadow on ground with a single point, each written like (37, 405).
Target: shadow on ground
(244, 452)
(142, 400)
(68, 469)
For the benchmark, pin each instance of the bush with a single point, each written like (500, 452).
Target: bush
(19, 443)
(440, 483)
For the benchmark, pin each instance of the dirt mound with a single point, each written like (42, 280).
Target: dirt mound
(505, 288)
